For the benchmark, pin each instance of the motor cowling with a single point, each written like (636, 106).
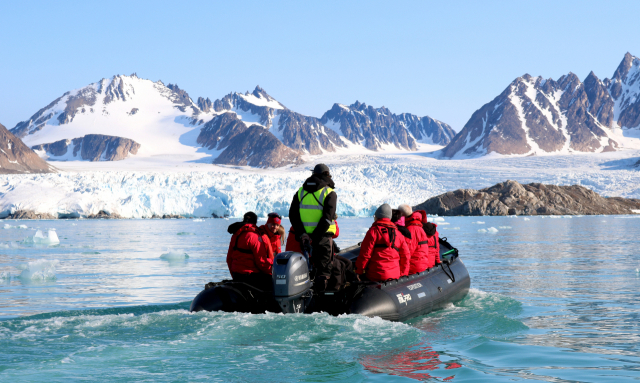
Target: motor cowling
(291, 282)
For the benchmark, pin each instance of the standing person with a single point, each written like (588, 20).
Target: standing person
(250, 257)
(431, 229)
(312, 215)
(272, 230)
(384, 253)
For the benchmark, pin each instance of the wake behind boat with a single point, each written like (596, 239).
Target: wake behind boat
(397, 300)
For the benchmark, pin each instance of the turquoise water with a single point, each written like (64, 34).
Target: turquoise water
(552, 299)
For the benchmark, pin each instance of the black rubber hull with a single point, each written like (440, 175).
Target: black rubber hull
(415, 295)
(398, 300)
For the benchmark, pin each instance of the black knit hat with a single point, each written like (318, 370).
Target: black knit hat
(429, 229)
(320, 168)
(250, 217)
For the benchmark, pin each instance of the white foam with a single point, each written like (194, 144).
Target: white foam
(51, 238)
(40, 270)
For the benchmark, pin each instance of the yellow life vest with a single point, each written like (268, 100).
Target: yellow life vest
(311, 206)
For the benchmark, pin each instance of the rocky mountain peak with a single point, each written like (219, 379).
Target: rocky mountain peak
(259, 92)
(16, 157)
(625, 66)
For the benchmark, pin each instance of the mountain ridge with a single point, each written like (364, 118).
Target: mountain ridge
(153, 115)
(537, 116)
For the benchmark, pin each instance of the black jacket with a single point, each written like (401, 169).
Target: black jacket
(313, 184)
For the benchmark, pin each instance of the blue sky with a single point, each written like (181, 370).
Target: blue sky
(442, 59)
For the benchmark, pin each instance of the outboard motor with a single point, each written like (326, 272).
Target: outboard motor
(291, 282)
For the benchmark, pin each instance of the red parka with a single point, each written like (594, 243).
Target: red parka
(250, 251)
(381, 258)
(434, 248)
(418, 244)
(274, 240)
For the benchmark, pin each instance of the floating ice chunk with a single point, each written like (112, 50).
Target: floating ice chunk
(527, 219)
(504, 227)
(174, 255)
(40, 270)
(482, 230)
(478, 222)
(435, 219)
(185, 233)
(7, 226)
(5, 276)
(555, 216)
(635, 211)
(444, 223)
(198, 220)
(51, 238)
(492, 230)
(455, 228)
(567, 216)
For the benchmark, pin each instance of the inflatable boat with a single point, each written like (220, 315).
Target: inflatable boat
(396, 300)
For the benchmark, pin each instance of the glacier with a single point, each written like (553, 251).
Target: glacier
(363, 182)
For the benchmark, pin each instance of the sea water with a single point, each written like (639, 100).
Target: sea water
(552, 299)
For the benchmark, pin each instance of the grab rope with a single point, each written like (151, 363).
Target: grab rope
(451, 276)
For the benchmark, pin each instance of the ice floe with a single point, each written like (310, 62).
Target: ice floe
(174, 255)
(7, 226)
(39, 238)
(40, 270)
(491, 230)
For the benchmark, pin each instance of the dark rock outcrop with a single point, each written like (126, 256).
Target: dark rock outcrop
(16, 157)
(28, 214)
(92, 147)
(512, 198)
(103, 214)
(245, 146)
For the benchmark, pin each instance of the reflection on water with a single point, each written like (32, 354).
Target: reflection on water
(552, 299)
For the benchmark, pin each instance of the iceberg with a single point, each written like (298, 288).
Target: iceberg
(51, 238)
(174, 255)
(40, 270)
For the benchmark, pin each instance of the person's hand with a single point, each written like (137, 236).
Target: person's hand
(358, 277)
(305, 237)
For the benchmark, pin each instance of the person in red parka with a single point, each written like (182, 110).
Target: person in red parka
(384, 253)
(419, 242)
(250, 256)
(271, 229)
(434, 243)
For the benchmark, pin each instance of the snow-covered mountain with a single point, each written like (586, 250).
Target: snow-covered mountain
(535, 116)
(16, 157)
(250, 129)
(376, 127)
